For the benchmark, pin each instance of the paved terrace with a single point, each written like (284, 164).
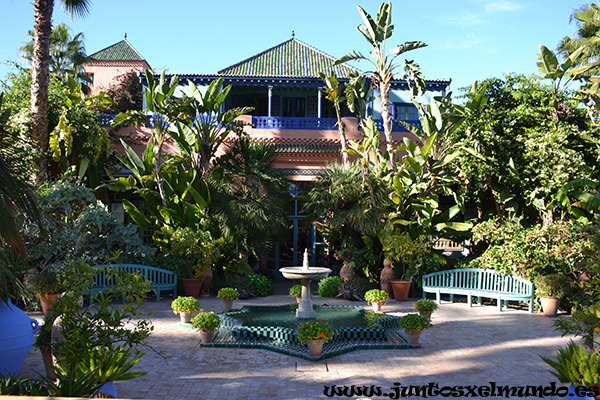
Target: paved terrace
(463, 347)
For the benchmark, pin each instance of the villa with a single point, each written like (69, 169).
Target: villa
(283, 86)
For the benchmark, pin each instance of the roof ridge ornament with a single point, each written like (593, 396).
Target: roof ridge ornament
(293, 34)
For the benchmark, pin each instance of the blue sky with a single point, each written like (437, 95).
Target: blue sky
(468, 39)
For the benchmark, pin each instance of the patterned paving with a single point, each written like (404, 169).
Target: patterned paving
(463, 347)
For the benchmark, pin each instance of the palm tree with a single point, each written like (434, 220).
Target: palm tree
(248, 197)
(376, 32)
(40, 72)
(587, 19)
(67, 52)
(335, 94)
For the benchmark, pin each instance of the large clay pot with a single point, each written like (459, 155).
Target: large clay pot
(387, 274)
(413, 335)
(16, 337)
(550, 305)
(192, 287)
(47, 301)
(206, 336)
(401, 289)
(346, 273)
(315, 347)
(206, 282)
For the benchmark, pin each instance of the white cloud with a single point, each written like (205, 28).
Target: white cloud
(466, 43)
(464, 21)
(502, 6)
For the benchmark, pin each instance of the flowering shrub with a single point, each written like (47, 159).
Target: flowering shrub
(206, 321)
(296, 291)
(185, 304)
(376, 296)
(315, 330)
(426, 305)
(228, 293)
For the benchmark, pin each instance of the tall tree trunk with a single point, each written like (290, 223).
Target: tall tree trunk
(40, 62)
(384, 95)
(342, 132)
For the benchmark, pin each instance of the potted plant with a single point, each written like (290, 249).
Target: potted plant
(227, 295)
(377, 298)
(43, 341)
(207, 323)
(315, 333)
(296, 291)
(47, 285)
(185, 306)
(425, 307)
(413, 324)
(550, 289)
(575, 365)
(405, 254)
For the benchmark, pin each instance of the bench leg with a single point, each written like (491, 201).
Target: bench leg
(506, 304)
(499, 301)
(479, 300)
(470, 300)
(452, 298)
(438, 298)
(530, 306)
(158, 295)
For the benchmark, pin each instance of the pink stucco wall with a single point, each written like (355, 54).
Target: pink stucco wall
(105, 72)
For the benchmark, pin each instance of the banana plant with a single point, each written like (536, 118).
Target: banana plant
(376, 32)
(199, 141)
(335, 93)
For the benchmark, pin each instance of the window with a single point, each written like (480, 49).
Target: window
(405, 112)
(294, 107)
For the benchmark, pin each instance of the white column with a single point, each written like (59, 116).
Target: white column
(319, 103)
(270, 97)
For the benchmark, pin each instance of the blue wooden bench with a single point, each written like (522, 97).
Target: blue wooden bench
(480, 283)
(160, 279)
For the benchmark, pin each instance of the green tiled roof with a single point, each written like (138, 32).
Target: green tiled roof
(307, 148)
(291, 58)
(121, 51)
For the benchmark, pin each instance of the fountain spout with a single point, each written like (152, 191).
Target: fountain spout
(305, 260)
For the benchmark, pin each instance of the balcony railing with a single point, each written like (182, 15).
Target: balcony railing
(294, 123)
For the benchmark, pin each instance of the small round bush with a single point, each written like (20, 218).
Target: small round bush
(315, 330)
(414, 322)
(376, 296)
(426, 305)
(261, 285)
(185, 304)
(330, 286)
(206, 321)
(228, 293)
(296, 291)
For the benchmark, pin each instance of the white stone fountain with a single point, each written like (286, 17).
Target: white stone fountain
(305, 274)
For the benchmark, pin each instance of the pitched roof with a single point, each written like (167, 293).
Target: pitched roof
(121, 51)
(291, 58)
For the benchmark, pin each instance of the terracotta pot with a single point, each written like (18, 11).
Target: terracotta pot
(413, 335)
(227, 304)
(185, 317)
(315, 347)
(387, 274)
(377, 306)
(191, 287)
(298, 299)
(48, 362)
(47, 301)
(346, 273)
(207, 336)
(401, 289)
(206, 282)
(550, 305)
